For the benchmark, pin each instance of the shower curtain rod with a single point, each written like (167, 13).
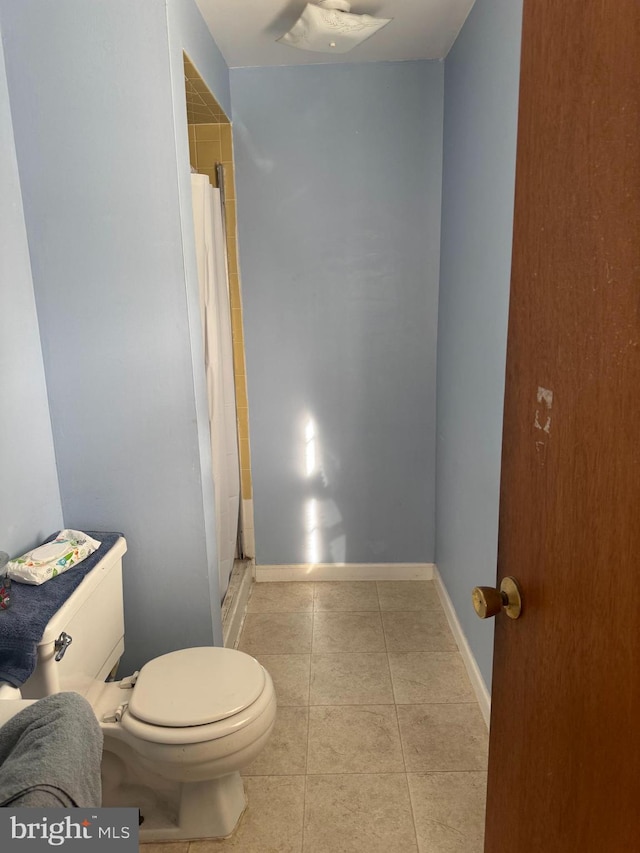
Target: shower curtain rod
(220, 179)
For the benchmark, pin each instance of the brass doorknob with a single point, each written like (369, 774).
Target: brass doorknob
(489, 601)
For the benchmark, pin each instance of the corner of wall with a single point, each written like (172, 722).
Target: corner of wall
(480, 129)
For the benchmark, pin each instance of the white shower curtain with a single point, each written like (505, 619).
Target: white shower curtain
(215, 313)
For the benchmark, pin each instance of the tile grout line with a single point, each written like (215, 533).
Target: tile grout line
(356, 773)
(306, 778)
(306, 762)
(413, 812)
(304, 809)
(395, 709)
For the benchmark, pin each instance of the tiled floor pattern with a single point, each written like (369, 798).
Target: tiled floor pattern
(379, 745)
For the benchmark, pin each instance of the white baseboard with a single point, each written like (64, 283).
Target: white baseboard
(473, 670)
(346, 572)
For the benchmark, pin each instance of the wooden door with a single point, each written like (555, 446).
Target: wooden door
(564, 766)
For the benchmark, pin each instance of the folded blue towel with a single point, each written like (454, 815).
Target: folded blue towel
(23, 624)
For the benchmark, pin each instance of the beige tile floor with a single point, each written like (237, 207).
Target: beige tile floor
(379, 745)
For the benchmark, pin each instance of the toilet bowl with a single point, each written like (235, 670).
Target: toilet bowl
(177, 733)
(176, 736)
(195, 718)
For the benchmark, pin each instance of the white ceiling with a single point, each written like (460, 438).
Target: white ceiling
(246, 30)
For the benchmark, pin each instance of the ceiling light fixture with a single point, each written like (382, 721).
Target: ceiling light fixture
(329, 27)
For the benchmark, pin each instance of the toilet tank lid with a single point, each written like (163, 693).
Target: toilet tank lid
(193, 687)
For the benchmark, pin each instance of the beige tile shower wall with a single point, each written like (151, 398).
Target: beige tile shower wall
(205, 149)
(210, 144)
(226, 142)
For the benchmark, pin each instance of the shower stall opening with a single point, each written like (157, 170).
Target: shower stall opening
(215, 316)
(215, 220)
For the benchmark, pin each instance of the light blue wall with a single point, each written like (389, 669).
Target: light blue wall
(339, 182)
(96, 125)
(30, 506)
(480, 120)
(188, 33)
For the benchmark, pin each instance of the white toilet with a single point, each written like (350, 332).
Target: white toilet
(177, 733)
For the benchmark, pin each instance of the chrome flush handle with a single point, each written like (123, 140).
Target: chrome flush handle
(62, 644)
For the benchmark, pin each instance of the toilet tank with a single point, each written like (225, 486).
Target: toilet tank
(93, 616)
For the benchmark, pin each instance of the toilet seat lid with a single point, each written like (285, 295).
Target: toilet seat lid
(193, 687)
